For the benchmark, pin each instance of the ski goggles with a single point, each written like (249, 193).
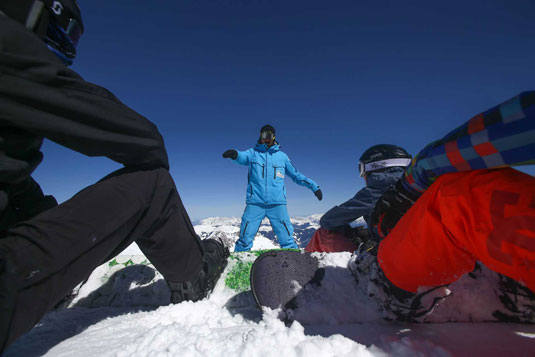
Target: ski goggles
(377, 165)
(267, 135)
(73, 31)
(63, 18)
(31, 14)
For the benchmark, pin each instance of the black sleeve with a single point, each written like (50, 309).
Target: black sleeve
(42, 96)
(359, 206)
(28, 199)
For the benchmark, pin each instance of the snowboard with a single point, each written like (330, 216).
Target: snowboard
(278, 277)
(320, 289)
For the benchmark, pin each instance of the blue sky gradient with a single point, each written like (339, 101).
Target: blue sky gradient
(333, 77)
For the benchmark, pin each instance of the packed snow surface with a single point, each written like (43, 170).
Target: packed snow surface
(123, 310)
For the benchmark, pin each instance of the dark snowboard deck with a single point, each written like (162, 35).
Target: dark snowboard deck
(278, 276)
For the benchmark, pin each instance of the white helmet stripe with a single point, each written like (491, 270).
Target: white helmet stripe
(377, 165)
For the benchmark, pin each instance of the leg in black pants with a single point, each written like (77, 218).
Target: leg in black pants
(44, 258)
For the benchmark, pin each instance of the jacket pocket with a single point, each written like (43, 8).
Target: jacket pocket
(278, 172)
(286, 226)
(257, 169)
(244, 229)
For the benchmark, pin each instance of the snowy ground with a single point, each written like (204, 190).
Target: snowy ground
(131, 318)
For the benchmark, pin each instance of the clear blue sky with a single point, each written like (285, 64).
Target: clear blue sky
(333, 77)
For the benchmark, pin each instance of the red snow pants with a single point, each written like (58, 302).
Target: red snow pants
(328, 241)
(481, 215)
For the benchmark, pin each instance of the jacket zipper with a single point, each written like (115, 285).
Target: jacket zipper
(265, 196)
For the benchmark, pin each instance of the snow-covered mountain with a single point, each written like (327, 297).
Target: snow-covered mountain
(228, 230)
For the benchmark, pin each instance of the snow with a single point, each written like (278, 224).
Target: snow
(228, 229)
(124, 311)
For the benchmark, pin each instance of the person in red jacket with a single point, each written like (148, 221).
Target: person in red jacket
(459, 203)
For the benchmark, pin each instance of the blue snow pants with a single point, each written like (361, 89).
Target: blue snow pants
(253, 216)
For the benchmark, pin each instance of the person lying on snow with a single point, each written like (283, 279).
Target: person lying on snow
(266, 192)
(47, 249)
(381, 166)
(459, 203)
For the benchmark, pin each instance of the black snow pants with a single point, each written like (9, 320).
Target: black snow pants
(44, 258)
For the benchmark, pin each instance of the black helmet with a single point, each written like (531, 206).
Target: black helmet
(382, 156)
(57, 22)
(267, 132)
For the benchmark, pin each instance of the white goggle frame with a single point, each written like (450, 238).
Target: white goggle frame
(381, 164)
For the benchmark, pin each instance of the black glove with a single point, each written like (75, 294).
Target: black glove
(232, 154)
(361, 237)
(318, 194)
(357, 235)
(391, 207)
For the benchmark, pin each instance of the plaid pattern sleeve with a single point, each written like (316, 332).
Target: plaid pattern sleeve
(501, 136)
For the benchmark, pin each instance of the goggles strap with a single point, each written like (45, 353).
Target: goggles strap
(377, 165)
(34, 15)
(18, 10)
(30, 13)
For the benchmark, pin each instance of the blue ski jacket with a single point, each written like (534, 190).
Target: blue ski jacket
(267, 169)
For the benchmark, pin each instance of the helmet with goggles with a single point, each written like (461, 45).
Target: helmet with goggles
(379, 157)
(267, 132)
(58, 23)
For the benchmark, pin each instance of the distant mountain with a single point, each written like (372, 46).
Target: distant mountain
(228, 229)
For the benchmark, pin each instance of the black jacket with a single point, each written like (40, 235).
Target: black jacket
(363, 203)
(41, 98)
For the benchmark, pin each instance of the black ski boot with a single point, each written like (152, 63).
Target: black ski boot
(214, 262)
(518, 301)
(395, 303)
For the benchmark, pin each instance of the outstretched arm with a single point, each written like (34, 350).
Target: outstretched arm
(501, 136)
(299, 178)
(342, 215)
(243, 157)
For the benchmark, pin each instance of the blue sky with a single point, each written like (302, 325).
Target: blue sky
(333, 77)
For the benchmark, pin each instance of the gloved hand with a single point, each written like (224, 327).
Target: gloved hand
(391, 207)
(361, 237)
(357, 234)
(232, 154)
(318, 194)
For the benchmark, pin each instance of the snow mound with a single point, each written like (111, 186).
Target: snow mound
(123, 310)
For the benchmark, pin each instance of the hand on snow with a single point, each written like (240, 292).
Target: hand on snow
(318, 194)
(391, 207)
(232, 154)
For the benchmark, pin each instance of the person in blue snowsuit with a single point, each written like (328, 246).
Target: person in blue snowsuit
(266, 193)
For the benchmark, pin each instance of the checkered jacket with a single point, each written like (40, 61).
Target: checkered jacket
(501, 136)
